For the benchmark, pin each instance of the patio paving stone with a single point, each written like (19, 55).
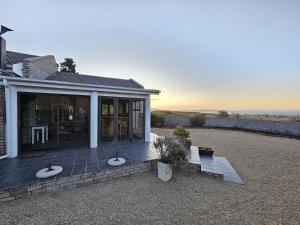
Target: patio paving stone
(21, 170)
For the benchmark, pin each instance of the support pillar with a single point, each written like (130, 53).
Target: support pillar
(147, 119)
(94, 120)
(11, 98)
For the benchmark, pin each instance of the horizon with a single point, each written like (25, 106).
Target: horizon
(201, 55)
(295, 112)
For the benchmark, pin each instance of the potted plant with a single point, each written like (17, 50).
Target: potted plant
(171, 154)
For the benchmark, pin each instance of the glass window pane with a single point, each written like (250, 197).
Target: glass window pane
(138, 119)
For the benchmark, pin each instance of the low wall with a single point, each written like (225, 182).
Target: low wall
(273, 127)
(75, 181)
(84, 179)
(173, 121)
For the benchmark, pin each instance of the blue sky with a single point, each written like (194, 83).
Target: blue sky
(201, 54)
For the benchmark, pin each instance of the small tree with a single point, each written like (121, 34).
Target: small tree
(198, 120)
(157, 119)
(223, 114)
(68, 66)
(181, 133)
(183, 136)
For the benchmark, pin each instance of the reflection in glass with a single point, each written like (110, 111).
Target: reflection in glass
(123, 120)
(48, 121)
(107, 120)
(138, 119)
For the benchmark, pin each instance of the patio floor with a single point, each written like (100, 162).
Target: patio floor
(22, 170)
(220, 165)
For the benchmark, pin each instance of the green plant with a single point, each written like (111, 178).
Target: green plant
(162, 144)
(177, 155)
(223, 114)
(237, 116)
(157, 119)
(68, 66)
(181, 133)
(198, 120)
(170, 151)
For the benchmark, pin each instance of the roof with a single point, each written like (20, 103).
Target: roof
(16, 57)
(96, 80)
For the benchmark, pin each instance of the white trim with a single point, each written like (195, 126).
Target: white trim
(74, 92)
(8, 122)
(147, 119)
(75, 86)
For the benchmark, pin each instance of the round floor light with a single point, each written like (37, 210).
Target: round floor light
(116, 161)
(49, 171)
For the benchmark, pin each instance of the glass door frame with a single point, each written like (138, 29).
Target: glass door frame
(58, 139)
(116, 120)
(100, 119)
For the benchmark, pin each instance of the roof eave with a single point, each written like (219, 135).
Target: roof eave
(61, 84)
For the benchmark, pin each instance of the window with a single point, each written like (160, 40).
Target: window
(138, 119)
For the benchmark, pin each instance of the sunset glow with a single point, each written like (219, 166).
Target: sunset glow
(201, 54)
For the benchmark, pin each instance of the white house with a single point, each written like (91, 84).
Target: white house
(41, 108)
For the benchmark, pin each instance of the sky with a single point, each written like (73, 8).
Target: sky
(231, 55)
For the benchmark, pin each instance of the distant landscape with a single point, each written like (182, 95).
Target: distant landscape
(252, 112)
(291, 115)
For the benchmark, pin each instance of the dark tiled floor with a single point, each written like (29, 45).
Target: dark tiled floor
(220, 165)
(21, 171)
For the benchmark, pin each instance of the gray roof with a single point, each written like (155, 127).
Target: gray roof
(97, 80)
(16, 57)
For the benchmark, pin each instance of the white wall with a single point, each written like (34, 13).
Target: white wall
(17, 68)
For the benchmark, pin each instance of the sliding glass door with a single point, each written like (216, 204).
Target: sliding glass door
(107, 120)
(121, 120)
(138, 119)
(52, 121)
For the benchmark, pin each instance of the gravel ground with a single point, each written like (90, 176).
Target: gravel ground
(269, 166)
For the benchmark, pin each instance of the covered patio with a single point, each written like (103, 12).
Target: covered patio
(85, 166)
(21, 170)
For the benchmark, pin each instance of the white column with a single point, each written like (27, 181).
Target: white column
(13, 151)
(8, 123)
(147, 118)
(94, 120)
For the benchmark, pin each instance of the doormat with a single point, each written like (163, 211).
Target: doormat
(32, 155)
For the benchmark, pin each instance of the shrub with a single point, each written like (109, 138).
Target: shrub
(223, 114)
(237, 116)
(181, 133)
(183, 136)
(170, 151)
(161, 144)
(198, 120)
(177, 155)
(157, 120)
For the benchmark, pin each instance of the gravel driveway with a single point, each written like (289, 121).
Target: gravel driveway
(269, 166)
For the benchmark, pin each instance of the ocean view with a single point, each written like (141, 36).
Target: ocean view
(252, 112)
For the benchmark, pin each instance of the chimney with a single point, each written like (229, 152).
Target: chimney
(3, 47)
(2, 53)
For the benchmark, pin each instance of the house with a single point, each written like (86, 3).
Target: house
(42, 108)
